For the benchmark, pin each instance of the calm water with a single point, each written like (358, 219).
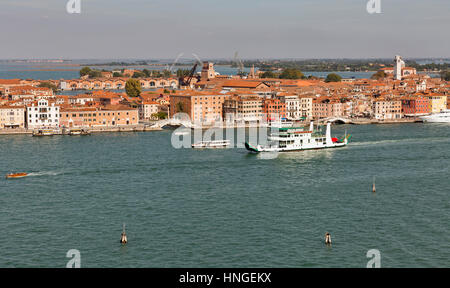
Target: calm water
(225, 208)
(56, 71)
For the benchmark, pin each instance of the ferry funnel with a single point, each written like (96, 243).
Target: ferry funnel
(328, 134)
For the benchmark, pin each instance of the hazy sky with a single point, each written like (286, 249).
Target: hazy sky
(218, 28)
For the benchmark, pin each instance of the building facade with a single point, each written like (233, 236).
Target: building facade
(201, 107)
(387, 109)
(114, 115)
(438, 103)
(147, 109)
(12, 117)
(274, 109)
(414, 106)
(42, 115)
(243, 109)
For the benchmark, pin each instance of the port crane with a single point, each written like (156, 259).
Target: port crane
(186, 81)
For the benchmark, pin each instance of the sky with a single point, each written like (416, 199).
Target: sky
(152, 29)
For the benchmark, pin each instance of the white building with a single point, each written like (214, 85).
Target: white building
(293, 107)
(43, 115)
(148, 109)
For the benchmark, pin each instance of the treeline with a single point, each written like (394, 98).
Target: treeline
(294, 74)
(323, 65)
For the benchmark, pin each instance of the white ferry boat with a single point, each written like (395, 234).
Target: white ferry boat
(443, 117)
(298, 138)
(212, 144)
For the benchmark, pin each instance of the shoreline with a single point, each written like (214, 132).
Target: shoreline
(153, 129)
(91, 130)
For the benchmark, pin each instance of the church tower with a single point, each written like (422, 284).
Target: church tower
(208, 71)
(399, 64)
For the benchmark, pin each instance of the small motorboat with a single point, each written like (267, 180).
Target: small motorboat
(16, 175)
(43, 132)
(74, 132)
(212, 144)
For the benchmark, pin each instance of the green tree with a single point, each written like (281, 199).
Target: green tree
(138, 74)
(333, 77)
(95, 74)
(291, 73)
(445, 75)
(160, 115)
(49, 85)
(268, 74)
(166, 74)
(133, 87)
(183, 73)
(156, 74)
(379, 75)
(85, 71)
(147, 73)
(117, 74)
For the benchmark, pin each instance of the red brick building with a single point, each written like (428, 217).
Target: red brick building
(416, 106)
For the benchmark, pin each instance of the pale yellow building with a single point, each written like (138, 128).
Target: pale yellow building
(438, 103)
(12, 117)
(306, 107)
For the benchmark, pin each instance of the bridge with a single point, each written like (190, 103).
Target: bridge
(173, 122)
(338, 120)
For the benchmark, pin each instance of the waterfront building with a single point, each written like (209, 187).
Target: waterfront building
(147, 109)
(306, 107)
(438, 102)
(12, 117)
(109, 116)
(247, 109)
(325, 108)
(387, 109)
(201, 106)
(293, 106)
(415, 106)
(42, 114)
(274, 109)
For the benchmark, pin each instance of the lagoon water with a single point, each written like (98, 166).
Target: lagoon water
(226, 208)
(57, 71)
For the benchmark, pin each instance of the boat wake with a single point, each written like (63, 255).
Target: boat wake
(45, 173)
(401, 141)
